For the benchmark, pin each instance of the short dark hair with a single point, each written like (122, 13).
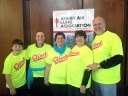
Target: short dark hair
(17, 41)
(59, 33)
(80, 33)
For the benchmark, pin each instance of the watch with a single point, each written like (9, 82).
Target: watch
(45, 79)
(83, 86)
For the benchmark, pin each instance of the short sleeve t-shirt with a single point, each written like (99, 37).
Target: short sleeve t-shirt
(58, 71)
(16, 67)
(37, 57)
(78, 60)
(104, 47)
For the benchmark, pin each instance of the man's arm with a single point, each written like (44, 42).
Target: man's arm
(111, 62)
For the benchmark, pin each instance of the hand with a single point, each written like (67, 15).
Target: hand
(12, 91)
(93, 67)
(82, 89)
(46, 82)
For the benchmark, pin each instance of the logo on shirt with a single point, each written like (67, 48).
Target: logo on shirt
(97, 45)
(59, 59)
(74, 53)
(37, 57)
(18, 65)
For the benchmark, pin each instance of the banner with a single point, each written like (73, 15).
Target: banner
(68, 21)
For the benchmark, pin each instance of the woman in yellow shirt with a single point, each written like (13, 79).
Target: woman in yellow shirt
(55, 74)
(37, 54)
(77, 73)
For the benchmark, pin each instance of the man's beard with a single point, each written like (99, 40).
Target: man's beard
(99, 32)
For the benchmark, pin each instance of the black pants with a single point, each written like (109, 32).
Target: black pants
(38, 88)
(74, 91)
(58, 89)
(21, 91)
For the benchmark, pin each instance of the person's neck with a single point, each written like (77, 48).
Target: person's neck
(39, 45)
(80, 45)
(102, 32)
(15, 54)
(59, 46)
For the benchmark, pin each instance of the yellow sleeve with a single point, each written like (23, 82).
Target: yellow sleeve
(7, 66)
(49, 57)
(88, 58)
(116, 46)
(27, 53)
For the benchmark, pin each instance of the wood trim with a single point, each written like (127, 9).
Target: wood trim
(79, 4)
(126, 42)
(26, 22)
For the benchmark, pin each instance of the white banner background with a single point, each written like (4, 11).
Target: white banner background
(68, 21)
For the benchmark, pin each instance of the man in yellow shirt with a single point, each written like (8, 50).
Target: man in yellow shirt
(108, 54)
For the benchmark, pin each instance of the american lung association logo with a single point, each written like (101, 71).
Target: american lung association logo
(56, 21)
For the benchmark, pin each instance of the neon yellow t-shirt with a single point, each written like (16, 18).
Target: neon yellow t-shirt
(16, 67)
(105, 46)
(78, 60)
(58, 63)
(37, 57)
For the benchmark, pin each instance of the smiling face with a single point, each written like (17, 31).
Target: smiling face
(40, 38)
(80, 37)
(17, 49)
(60, 41)
(99, 25)
(80, 40)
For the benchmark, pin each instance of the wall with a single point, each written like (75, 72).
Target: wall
(11, 27)
(41, 15)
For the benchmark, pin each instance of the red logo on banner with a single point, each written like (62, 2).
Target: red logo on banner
(56, 21)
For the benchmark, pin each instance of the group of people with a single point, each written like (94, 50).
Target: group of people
(61, 71)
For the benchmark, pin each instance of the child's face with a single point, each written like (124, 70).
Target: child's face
(17, 49)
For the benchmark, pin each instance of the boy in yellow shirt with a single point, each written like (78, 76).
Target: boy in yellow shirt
(15, 70)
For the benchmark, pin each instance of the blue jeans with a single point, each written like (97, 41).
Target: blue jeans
(105, 89)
